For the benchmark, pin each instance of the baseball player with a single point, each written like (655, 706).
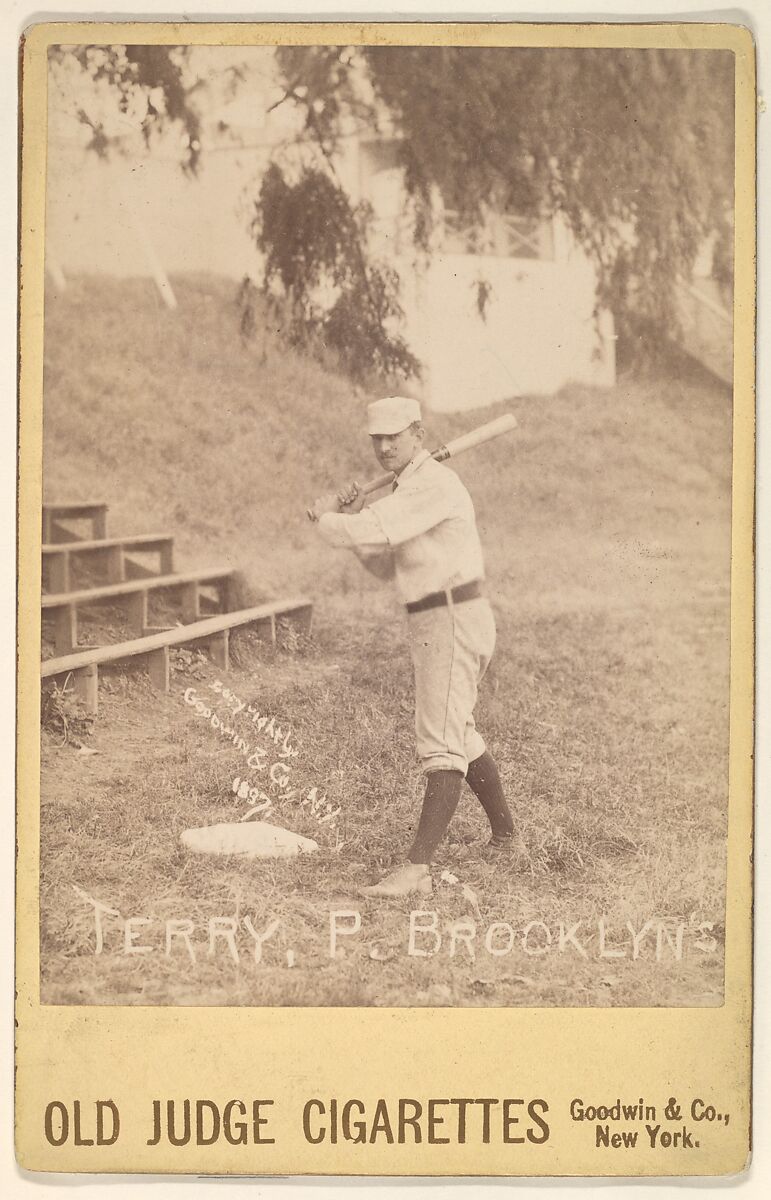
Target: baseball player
(424, 536)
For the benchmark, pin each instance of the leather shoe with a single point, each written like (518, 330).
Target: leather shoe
(405, 881)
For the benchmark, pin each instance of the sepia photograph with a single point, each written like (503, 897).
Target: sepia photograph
(387, 421)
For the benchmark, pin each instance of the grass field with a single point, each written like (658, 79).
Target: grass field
(606, 524)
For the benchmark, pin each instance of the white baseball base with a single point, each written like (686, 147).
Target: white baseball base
(254, 839)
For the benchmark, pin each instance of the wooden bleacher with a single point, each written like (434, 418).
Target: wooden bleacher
(92, 511)
(131, 584)
(64, 606)
(153, 651)
(112, 554)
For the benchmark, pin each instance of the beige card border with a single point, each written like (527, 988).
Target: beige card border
(135, 1054)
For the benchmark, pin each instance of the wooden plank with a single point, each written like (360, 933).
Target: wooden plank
(167, 555)
(219, 649)
(304, 618)
(99, 521)
(134, 570)
(58, 533)
(137, 541)
(93, 511)
(59, 572)
(178, 635)
(158, 668)
(86, 683)
(190, 600)
(224, 591)
(208, 605)
(137, 612)
(73, 508)
(114, 562)
(107, 592)
(65, 629)
(113, 551)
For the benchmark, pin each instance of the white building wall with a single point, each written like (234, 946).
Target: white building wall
(108, 217)
(132, 216)
(539, 331)
(537, 335)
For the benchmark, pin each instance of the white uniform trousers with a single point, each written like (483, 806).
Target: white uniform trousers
(451, 648)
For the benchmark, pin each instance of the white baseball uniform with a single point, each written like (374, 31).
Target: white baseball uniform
(424, 536)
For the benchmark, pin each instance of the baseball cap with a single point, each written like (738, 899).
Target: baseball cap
(392, 415)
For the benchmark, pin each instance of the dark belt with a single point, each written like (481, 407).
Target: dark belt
(464, 591)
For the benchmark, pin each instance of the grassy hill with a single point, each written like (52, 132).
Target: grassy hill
(177, 424)
(606, 524)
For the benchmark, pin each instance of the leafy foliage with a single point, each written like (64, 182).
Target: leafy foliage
(323, 82)
(483, 295)
(314, 241)
(64, 716)
(150, 80)
(633, 149)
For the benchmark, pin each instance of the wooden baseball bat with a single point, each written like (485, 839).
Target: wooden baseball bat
(475, 437)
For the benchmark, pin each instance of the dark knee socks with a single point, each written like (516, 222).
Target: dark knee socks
(439, 804)
(441, 800)
(485, 782)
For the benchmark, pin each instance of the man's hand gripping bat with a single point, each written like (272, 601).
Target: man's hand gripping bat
(475, 437)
